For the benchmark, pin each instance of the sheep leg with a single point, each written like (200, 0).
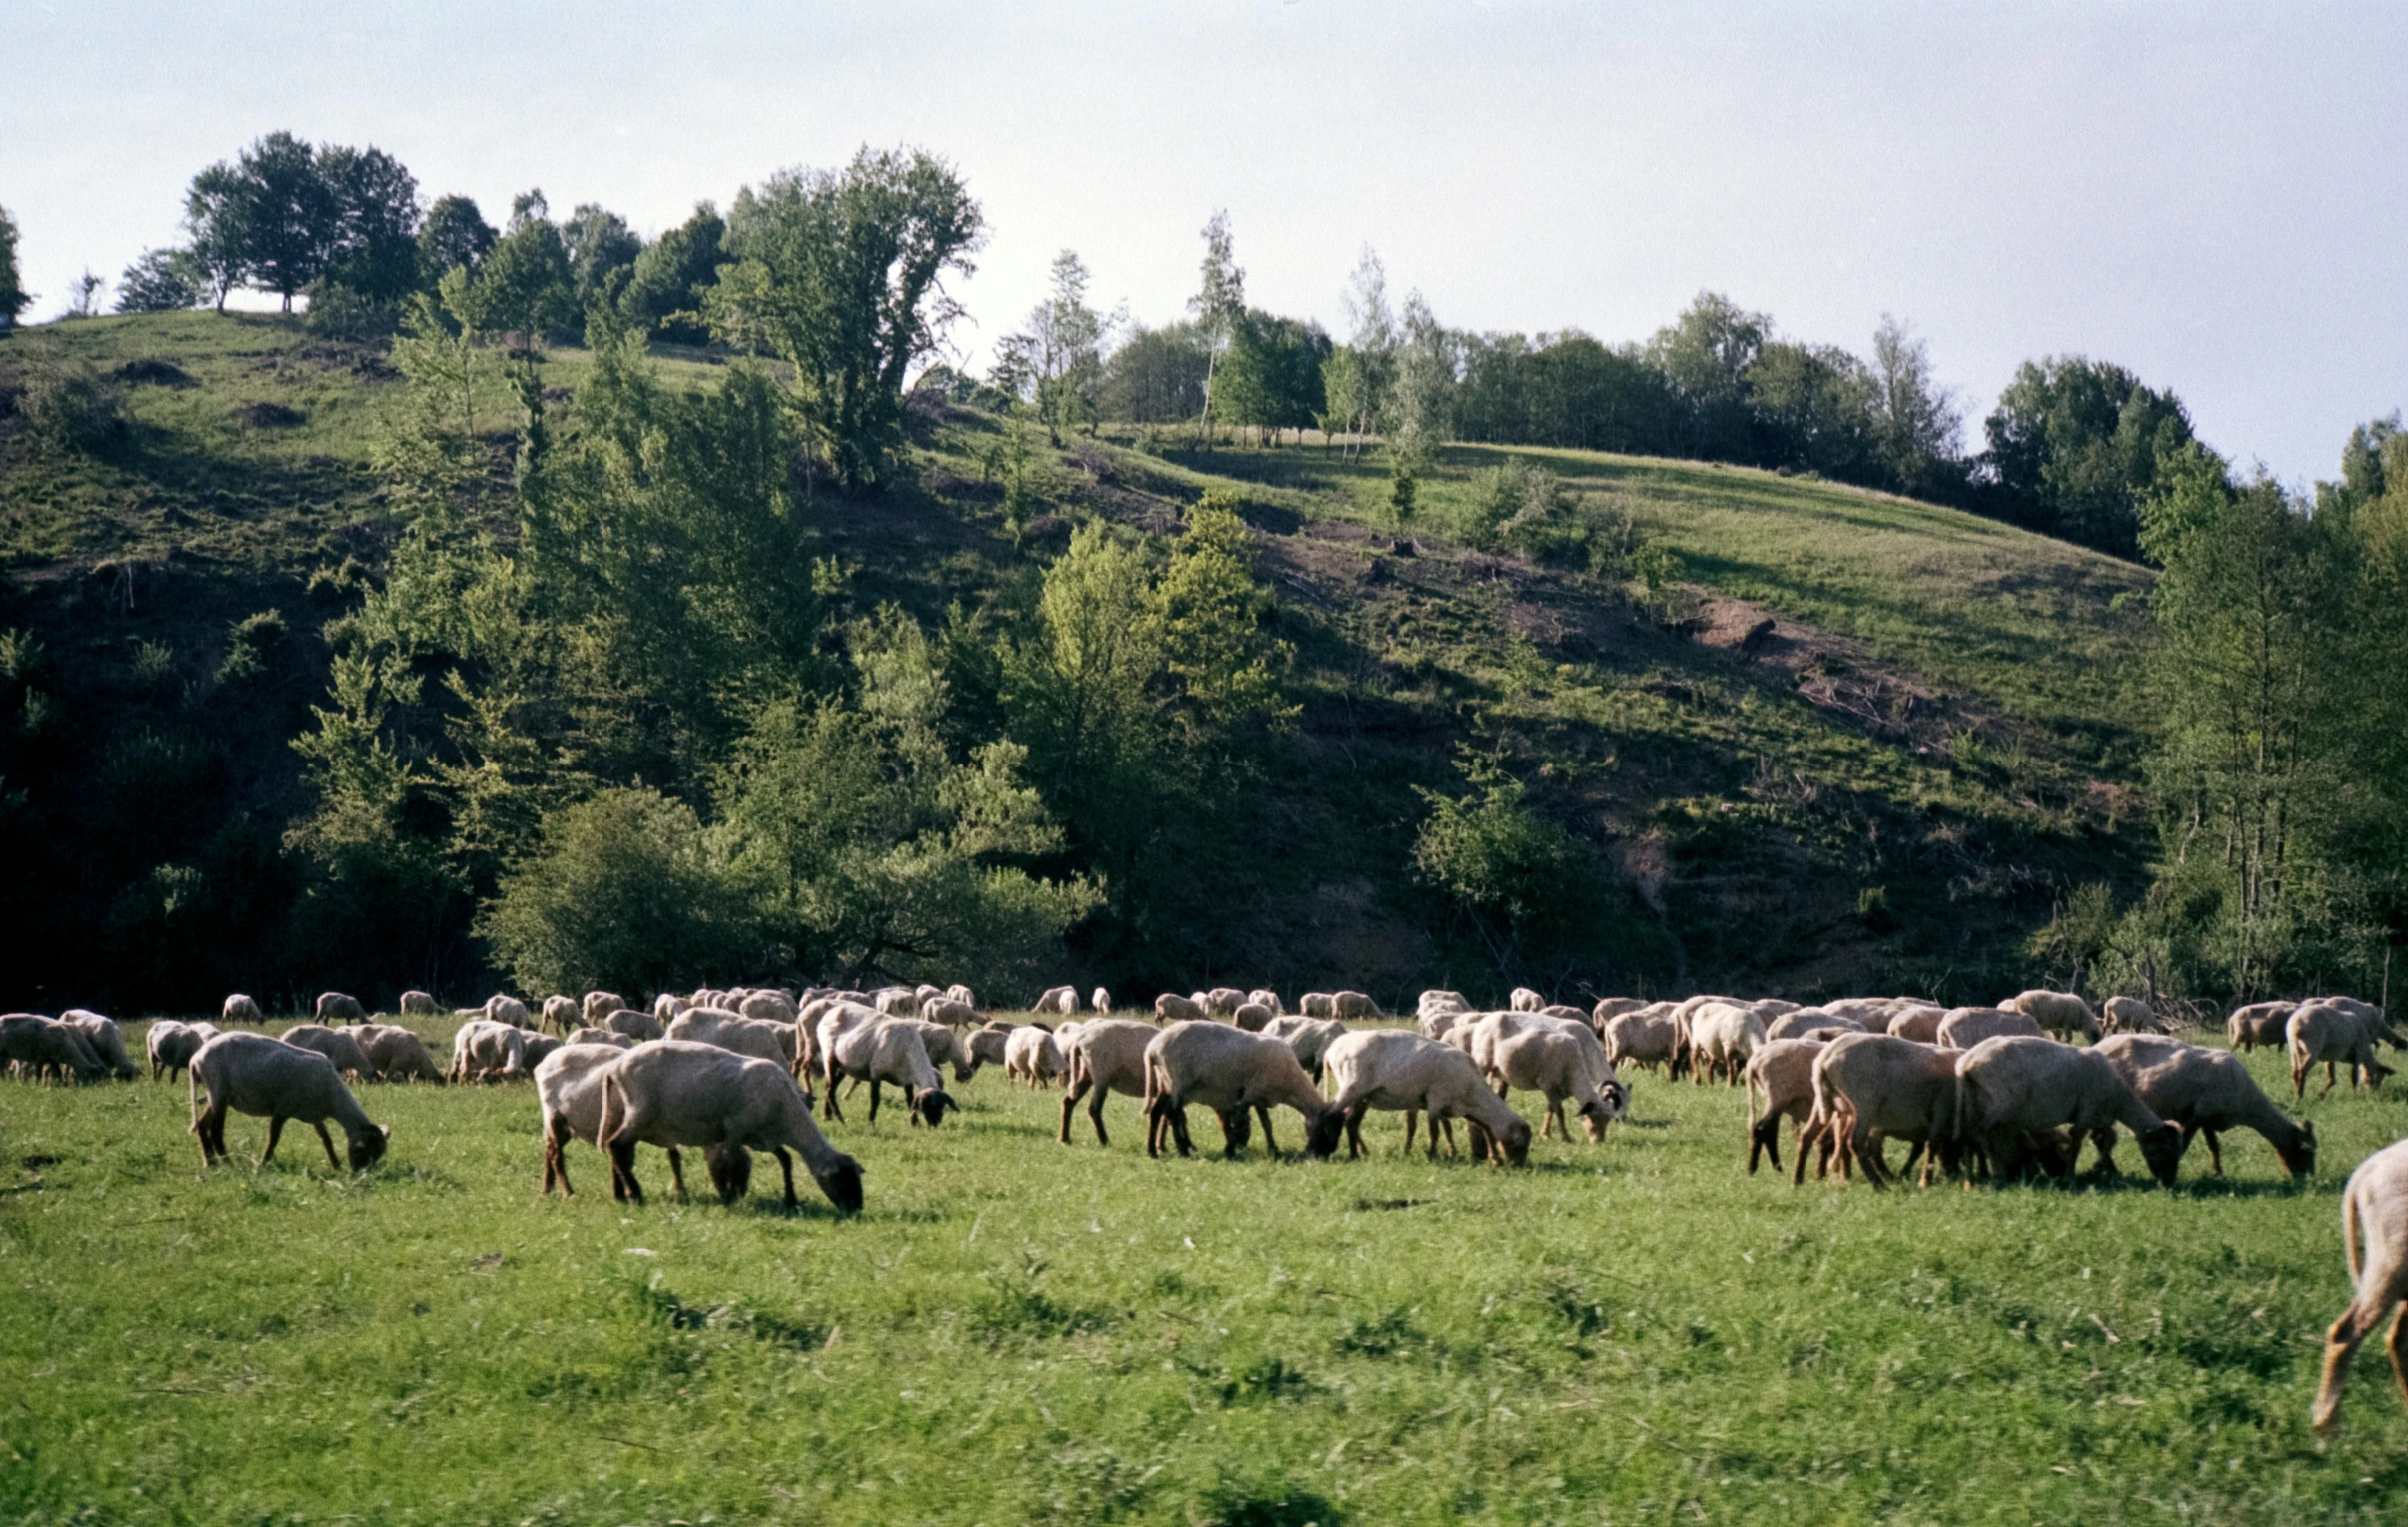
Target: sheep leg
(2328, 1078)
(1236, 1129)
(1178, 1115)
(2299, 1080)
(1354, 1132)
(2397, 1344)
(1095, 1114)
(1269, 1143)
(875, 1090)
(276, 1129)
(1868, 1147)
(1412, 1118)
(1155, 1125)
(1447, 1122)
(2215, 1150)
(785, 1163)
(1810, 1134)
(834, 1076)
(1070, 1099)
(554, 1168)
(624, 1185)
(1764, 1139)
(2104, 1139)
(677, 1171)
(327, 1142)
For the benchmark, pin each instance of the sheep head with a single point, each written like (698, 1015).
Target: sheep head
(731, 1170)
(1322, 1135)
(2161, 1147)
(931, 1104)
(2298, 1153)
(367, 1147)
(842, 1181)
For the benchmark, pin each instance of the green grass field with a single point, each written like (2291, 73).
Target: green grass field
(1018, 1332)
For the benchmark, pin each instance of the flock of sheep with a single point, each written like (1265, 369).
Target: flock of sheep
(1995, 1092)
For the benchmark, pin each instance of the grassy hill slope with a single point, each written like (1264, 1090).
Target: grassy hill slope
(1863, 742)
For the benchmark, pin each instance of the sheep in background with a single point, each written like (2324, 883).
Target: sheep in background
(1918, 1023)
(336, 1045)
(990, 1045)
(172, 1044)
(1722, 1035)
(268, 1078)
(1394, 1071)
(483, 1051)
(395, 1053)
(1645, 1039)
(564, 1013)
(1032, 1057)
(1058, 1001)
(1310, 1039)
(1172, 1008)
(417, 1004)
(1525, 1000)
(2129, 1015)
(962, 994)
(665, 1008)
(882, 1052)
(1351, 1007)
(107, 1040)
(335, 1007)
(637, 1026)
(1609, 1009)
(1266, 997)
(1809, 1021)
(41, 1045)
(896, 1001)
(501, 1009)
(761, 1038)
(950, 1013)
(605, 1038)
(238, 1008)
(689, 1094)
(1783, 1072)
(1318, 1005)
(1250, 1016)
(2057, 1012)
(1435, 1001)
(1099, 1001)
(2319, 1031)
(776, 1007)
(1105, 1056)
(2374, 1240)
(1965, 1027)
(1230, 1071)
(1563, 1064)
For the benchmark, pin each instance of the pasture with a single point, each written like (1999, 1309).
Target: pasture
(1012, 1331)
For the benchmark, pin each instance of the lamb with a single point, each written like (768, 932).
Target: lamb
(1783, 1072)
(2014, 1087)
(268, 1078)
(758, 1037)
(1394, 1071)
(2259, 1023)
(1563, 1064)
(1871, 1088)
(1644, 1039)
(335, 1007)
(335, 1045)
(2318, 1032)
(569, 1088)
(1062, 1001)
(1170, 1008)
(483, 1051)
(2374, 1237)
(1965, 1027)
(564, 1013)
(637, 1026)
(172, 1044)
(888, 1052)
(1230, 1071)
(1266, 997)
(2057, 1012)
(1525, 1000)
(1310, 1039)
(2128, 1015)
(41, 1044)
(1722, 1035)
(1350, 1005)
(694, 1095)
(1253, 1017)
(1033, 1056)
(1105, 1056)
(417, 1004)
(605, 1038)
(238, 1008)
(1808, 1021)
(107, 1040)
(499, 1008)
(395, 1052)
(2206, 1091)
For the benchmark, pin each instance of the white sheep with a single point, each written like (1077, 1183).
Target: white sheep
(1100, 1001)
(777, 1007)
(564, 1013)
(2057, 1012)
(2206, 1091)
(1609, 1009)
(107, 1040)
(2128, 1015)
(670, 1095)
(1525, 1000)
(761, 1038)
(1784, 1073)
(666, 1007)
(2374, 1240)
(1031, 1055)
(1250, 1016)
(42, 1045)
(990, 1043)
(950, 1013)
(1918, 1023)
(1318, 1005)
(637, 1026)
(1805, 1021)
(417, 1004)
(395, 1053)
(1722, 1035)
(2319, 1031)
(172, 1044)
(1231, 1072)
(1645, 1039)
(505, 1010)
(569, 1092)
(1223, 1002)
(1964, 1027)
(1171, 1008)
(1265, 998)
(1310, 1039)
(238, 1008)
(962, 994)
(607, 1039)
(483, 1051)
(2018, 1086)
(335, 1007)
(1871, 1089)
(2259, 1023)
(336, 1045)
(1105, 1055)
(1438, 1001)
(888, 1052)
(1563, 1065)
(268, 1078)
(1062, 1000)
(1350, 1006)
(1394, 1071)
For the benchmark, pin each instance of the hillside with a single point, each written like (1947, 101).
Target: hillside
(1887, 785)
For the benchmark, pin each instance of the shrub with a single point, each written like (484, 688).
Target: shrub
(73, 409)
(1526, 509)
(252, 646)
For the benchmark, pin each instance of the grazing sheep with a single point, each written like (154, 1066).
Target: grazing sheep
(1105, 1056)
(1171, 1008)
(1965, 1027)
(2128, 1015)
(637, 1026)
(1250, 1016)
(500, 1009)
(1310, 1039)
(1434, 1002)
(335, 1007)
(666, 1007)
(568, 1090)
(1031, 1055)
(1783, 1072)
(483, 1051)
(761, 1038)
(1351, 1007)
(888, 1052)
(1871, 1011)
(564, 1013)
(1563, 1065)
(394, 1054)
(1921, 1025)
(1722, 1035)
(417, 1004)
(2319, 1031)
(2374, 1239)
(172, 1044)
(944, 1046)
(1566, 1013)
(2206, 1091)
(896, 1001)
(1223, 1002)
(2060, 1014)
(238, 1008)
(1317, 1004)
(1525, 1000)
(950, 1013)
(1644, 1039)
(1871, 1089)
(1266, 997)
(108, 1041)
(268, 1078)
(990, 1045)
(962, 994)
(1062, 1001)
(2016, 1087)
(43, 1045)
(336, 1045)
(2370, 1017)
(1805, 1020)
(608, 1038)
(695, 1094)
(1609, 1009)
(1230, 1071)
(1100, 1001)
(777, 1007)
(1436, 1025)
(2259, 1023)
(1393, 1070)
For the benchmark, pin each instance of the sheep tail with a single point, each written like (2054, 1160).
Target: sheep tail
(2349, 1235)
(613, 1111)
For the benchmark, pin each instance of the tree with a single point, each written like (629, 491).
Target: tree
(371, 236)
(1056, 363)
(158, 281)
(1523, 882)
(1220, 300)
(1271, 375)
(84, 295)
(1705, 355)
(1359, 376)
(214, 217)
(454, 235)
(524, 286)
(665, 293)
(1814, 407)
(2074, 446)
(599, 245)
(285, 215)
(840, 274)
(1915, 420)
(1215, 631)
(14, 299)
(1156, 375)
(1420, 402)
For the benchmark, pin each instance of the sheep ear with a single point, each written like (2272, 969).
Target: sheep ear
(386, 1130)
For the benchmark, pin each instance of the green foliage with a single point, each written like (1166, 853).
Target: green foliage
(371, 235)
(1528, 509)
(1271, 376)
(1528, 886)
(158, 281)
(454, 236)
(1155, 376)
(1056, 363)
(840, 274)
(599, 245)
(525, 284)
(253, 645)
(623, 893)
(72, 409)
(664, 287)
(2074, 444)
(14, 299)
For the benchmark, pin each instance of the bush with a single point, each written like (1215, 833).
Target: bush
(73, 409)
(341, 312)
(252, 646)
(622, 893)
(1526, 509)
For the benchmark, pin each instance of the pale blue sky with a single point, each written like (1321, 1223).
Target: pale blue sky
(2213, 195)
